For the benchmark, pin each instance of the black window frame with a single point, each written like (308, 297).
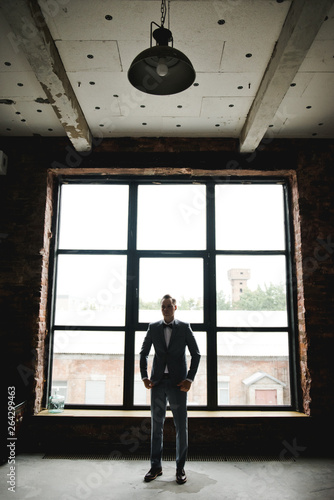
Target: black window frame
(209, 324)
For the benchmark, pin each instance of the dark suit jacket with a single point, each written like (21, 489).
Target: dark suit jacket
(174, 356)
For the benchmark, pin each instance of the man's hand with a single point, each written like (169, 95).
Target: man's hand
(148, 383)
(184, 385)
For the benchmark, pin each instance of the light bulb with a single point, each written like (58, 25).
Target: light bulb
(162, 68)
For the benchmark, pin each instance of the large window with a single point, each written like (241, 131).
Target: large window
(221, 248)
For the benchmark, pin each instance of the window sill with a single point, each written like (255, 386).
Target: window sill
(191, 414)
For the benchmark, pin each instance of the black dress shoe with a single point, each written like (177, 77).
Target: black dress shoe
(181, 477)
(152, 474)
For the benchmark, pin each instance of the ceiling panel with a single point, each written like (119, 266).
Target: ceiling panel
(11, 55)
(92, 55)
(25, 118)
(101, 20)
(307, 114)
(20, 85)
(14, 125)
(226, 107)
(246, 57)
(320, 57)
(227, 20)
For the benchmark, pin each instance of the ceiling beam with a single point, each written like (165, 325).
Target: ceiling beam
(32, 36)
(300, 28)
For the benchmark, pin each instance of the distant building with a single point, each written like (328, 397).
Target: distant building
(252, 368)
(238, 279)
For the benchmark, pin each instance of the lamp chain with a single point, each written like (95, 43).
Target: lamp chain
(163, 12)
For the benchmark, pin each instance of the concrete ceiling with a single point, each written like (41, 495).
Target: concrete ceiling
(264, 68)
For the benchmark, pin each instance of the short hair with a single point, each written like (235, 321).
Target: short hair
(167, 296)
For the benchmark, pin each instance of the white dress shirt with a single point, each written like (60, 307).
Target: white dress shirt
(168, 334)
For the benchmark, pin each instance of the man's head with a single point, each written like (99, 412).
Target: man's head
(168, 308)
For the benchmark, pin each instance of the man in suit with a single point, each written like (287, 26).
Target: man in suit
(170, 380)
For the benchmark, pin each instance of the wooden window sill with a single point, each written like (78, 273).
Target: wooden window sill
(191, 414)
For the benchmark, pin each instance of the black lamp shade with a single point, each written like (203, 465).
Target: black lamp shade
(143, 74)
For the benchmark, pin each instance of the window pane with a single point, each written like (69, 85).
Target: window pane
(93, 217)
(197, 396)
(249, 217)
(95, 392)
(141, 395)
(171, 217)
(181, 278)
(90, 365)
(61, 387)
(251, 291)
(254, 367)
(91, 290)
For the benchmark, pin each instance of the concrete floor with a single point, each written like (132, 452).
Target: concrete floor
(58, 479)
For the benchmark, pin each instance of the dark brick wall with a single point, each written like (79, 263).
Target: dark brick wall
(24, 192)
(315, 182)
(22, 202)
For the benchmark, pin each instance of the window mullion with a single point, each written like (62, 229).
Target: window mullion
(210, 298)
(291, 301)
(131, 298)
(56, 223)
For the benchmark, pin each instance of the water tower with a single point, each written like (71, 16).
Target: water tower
(238, 279)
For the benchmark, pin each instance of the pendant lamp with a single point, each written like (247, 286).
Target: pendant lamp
(162, 69)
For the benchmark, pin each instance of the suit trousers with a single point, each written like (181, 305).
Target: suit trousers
(161, 393)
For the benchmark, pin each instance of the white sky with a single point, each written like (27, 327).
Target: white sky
(249, 217)
(94, 217)
(171, 217)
